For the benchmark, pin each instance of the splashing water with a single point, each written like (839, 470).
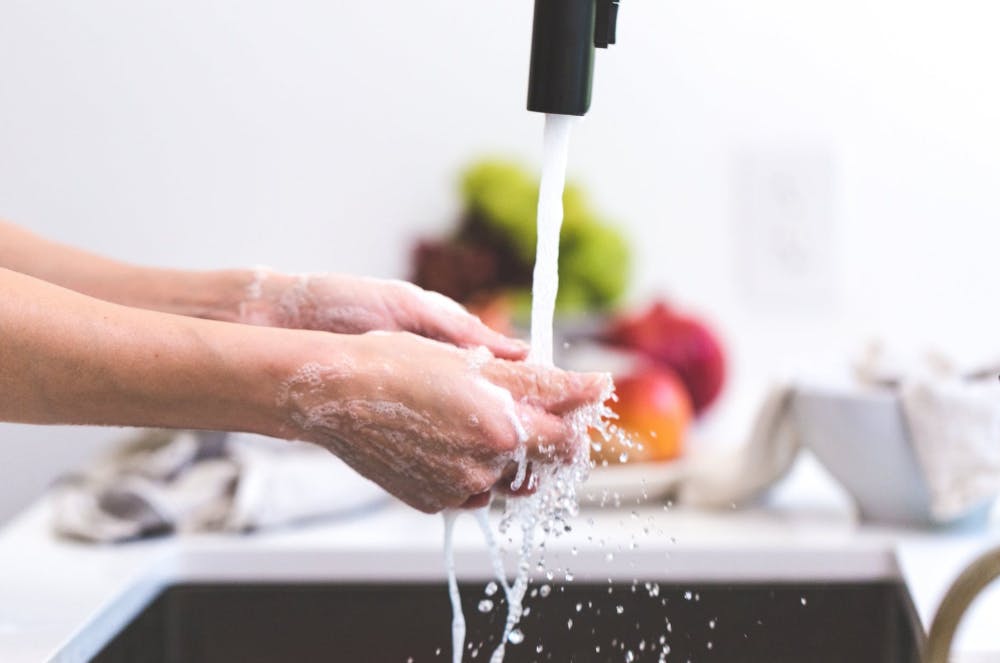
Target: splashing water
(457, 615)
(555, 498)
(525, 512)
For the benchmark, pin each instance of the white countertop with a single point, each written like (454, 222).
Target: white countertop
(61, 600)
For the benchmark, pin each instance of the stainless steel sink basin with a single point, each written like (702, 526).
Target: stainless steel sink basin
(746, 623)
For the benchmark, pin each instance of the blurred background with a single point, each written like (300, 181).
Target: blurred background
(802, 176)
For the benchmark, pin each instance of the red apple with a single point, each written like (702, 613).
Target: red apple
(679, 342)
(654, 410)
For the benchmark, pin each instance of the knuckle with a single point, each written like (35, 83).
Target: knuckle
(426, 504)
(500, 438)
(480, 481)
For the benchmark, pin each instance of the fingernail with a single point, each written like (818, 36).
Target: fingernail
(516, 344)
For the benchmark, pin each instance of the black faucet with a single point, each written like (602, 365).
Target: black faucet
(563, 39)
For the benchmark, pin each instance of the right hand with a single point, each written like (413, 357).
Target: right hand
(431, 423)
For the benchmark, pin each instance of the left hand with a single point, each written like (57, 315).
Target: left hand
(355, 305)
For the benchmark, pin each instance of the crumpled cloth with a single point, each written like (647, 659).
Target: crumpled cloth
(739, 475)
(952, 415)
(955, 429)
(187, 481)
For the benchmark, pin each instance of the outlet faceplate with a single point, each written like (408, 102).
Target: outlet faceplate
(784, 228)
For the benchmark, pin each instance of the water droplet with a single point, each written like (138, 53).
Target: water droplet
(516, 637)
(610, 557)
(569, 577)
(619, 609)
(544, 590)
(538, 649)
(629, 656)
(687, 596)
(711, 623)
(569, 623)
(623, 458)
(485, 605)
(709, 645)
(491, 588)
(803, 600)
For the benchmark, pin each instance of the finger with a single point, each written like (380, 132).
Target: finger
(550, 389)
(477, 501)
(549, 438)
(476, 333)
(466, 330)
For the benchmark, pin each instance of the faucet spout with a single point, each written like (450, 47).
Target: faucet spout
(564, 36)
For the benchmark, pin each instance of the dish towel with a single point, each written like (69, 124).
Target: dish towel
(952, 417)
(954, 426)
(952, 411)
(186, 481)
(740, 475)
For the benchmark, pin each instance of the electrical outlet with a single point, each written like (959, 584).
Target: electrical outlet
(783, 217)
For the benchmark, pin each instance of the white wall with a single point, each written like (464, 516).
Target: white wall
(326, 135)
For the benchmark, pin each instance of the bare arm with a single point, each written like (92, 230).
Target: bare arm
(204, 294)
(322, 302)
(69, 358)
(431, 423)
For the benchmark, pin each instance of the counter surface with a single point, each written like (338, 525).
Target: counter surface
(62, 600)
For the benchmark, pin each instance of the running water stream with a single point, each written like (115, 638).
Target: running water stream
(554, 499)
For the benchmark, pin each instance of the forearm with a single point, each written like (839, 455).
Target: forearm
(206, 294)
(68, 358)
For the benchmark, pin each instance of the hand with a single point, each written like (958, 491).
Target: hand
(435, 425)
(354, 305)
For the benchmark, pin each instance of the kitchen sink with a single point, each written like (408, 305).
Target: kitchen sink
(745, 622)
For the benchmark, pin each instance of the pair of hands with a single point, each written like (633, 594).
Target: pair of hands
(432, 404)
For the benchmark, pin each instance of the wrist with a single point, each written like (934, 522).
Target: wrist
(315, 375)
(297, 371)
(211, 295)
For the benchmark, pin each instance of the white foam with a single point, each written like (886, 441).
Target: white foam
(255, 289)
(509, 408)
